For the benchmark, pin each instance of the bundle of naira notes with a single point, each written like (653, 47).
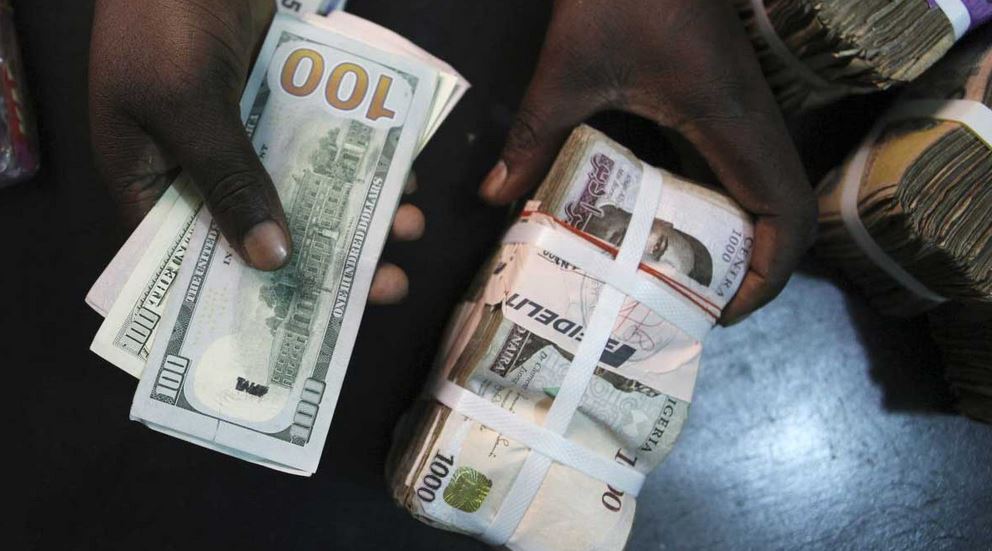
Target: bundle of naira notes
(566, 374)
(816, 51)
(251, 363)
(963, 332)
(907, 216)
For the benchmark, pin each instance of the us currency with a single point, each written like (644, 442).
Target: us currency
(251, 363)
(304, 7)
(109, 285)
(815, 51)
(512, 340)
(129, 325)
(922, 195)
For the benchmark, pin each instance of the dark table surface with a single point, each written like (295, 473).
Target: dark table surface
(815, 425)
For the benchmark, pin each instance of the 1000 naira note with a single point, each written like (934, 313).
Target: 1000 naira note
(512, 342)
(251, 363)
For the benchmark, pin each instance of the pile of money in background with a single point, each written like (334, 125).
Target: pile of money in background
(924, 198)
(247, 362)
(815, 51)
(513, 340)
(964, 334)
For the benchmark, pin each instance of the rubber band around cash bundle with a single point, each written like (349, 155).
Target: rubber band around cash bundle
(620, 276)
(973, 115)
(821, 89)
(957, 13)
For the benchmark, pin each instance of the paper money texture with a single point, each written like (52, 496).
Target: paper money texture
(251, 363)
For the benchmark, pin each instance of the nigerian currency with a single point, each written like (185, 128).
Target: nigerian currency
(922, 196)
(512, 341)
(815, 51)
(251, 363)
(963, 332)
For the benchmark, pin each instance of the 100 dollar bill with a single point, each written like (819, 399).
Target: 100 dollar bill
(126, 335)
(132, 292)
(253, 362)
(303, 7)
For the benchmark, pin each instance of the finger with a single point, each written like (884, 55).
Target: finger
(408, 225)
(208, 139)
(779, 246)
(757, 163)
(741, 134)
(135, 170)
(389, 285)
(556, 101)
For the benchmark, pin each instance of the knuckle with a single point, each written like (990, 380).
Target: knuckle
(769, 286)
(716, 100)
(236, 194)
(135, 194)
(523, 134)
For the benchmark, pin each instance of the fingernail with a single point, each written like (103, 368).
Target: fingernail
(494, 182)
(267, 246)
(734, 321)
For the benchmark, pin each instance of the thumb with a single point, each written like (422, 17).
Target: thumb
(553, 105)
(210, 143)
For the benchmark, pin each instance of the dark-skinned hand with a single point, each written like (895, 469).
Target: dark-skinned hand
(166, 78)
(687, 65)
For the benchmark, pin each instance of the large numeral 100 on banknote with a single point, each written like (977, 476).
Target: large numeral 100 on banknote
(251, 363)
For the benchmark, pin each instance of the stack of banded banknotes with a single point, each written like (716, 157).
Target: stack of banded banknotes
(251, 363)
(964, 334)
(512, 341)
(815, 51)
(923, 196)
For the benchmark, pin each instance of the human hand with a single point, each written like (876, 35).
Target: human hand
(687, 65)
(166, 78)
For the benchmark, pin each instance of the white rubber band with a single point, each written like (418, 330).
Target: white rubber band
(957, 13)
(976, 116)
(572, 249)
(539, 439)
(829, 90)
(580, 371)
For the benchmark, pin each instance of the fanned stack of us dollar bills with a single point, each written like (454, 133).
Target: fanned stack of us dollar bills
(920, 187)
(815, 51)
(251, 363)
(512, 341)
